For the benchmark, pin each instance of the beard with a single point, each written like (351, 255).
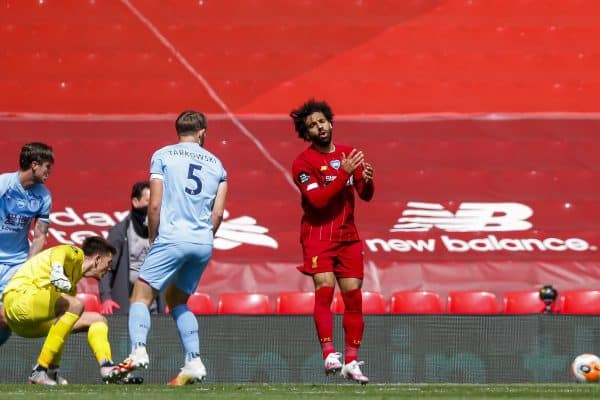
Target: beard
(323, 140)
(39, 179)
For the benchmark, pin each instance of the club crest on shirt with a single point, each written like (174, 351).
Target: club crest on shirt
(34, 204)
(335, 164)
(303, 177)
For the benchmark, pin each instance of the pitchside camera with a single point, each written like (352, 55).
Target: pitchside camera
(548, 295)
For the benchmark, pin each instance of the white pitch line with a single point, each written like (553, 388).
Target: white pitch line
(209, 89)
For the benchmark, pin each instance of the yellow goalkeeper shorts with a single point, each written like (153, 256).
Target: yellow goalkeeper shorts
(30, 312)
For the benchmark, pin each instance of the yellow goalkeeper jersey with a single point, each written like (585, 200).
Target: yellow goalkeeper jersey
(35, 272)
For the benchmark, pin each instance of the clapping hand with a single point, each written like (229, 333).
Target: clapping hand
(352, 161)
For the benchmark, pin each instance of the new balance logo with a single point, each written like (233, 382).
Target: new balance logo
(470, 217)
(242, 230)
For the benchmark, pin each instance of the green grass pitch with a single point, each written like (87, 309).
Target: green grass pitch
(292, 391)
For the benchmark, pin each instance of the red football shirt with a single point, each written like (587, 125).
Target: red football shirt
(328, 194)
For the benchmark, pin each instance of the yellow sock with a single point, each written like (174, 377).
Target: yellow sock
(98, 340)
(55, 340)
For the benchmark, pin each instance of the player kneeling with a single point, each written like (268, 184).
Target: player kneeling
(40, 301)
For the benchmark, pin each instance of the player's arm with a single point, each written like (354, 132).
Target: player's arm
(319, 196)
(4, 183)
(156, 194)
(108, 305)
(363, 181)
(40, 231)
(218, 209)
(40, 228)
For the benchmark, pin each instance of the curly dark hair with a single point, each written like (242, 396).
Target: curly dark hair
(311, 106)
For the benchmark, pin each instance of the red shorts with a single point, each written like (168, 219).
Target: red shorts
(344, 259)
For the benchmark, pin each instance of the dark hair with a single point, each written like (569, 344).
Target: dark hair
(311, 106)
(35, 151)
(189, 122)
(138, 188)
(97, 245)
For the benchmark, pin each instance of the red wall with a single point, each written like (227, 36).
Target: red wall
(373, 57)
(454, 102)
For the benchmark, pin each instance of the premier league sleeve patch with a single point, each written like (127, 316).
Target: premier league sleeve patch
(303, 177)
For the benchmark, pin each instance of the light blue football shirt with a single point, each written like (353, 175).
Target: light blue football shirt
(18, 208)
(191, 176)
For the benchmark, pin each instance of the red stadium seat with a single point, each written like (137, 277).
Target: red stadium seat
(244, 303)
(581, 301)
(90, 301)
(372, 303)
(295, 303)
(200, 303)
(523, 302)
(472, 302)
(416, 302)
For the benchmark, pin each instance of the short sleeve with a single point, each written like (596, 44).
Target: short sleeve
(156, 165)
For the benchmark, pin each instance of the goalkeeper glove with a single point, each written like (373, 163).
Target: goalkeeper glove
(58, 278)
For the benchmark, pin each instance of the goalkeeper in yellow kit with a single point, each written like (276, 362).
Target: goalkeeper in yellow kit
(39, 300)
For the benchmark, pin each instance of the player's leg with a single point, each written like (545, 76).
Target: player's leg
(183, 284)
(139, 322)
(157, 270)
(349, 273)
(352, 321)
(318, 263)
(6, 272)
(29, 315)
(67, 310)
(324, 283)
(193, 370)
(5, 331)
(139, 313)
(53, 369)
(96, 326)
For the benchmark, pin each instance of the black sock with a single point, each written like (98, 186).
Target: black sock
(107, 364)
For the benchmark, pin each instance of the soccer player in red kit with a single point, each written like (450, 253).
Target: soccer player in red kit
(327, 175)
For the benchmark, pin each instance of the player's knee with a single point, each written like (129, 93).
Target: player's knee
(324, 279)
(76, 307)
(353, 300)
(175, 297)
(69, 304)
(142, 293)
